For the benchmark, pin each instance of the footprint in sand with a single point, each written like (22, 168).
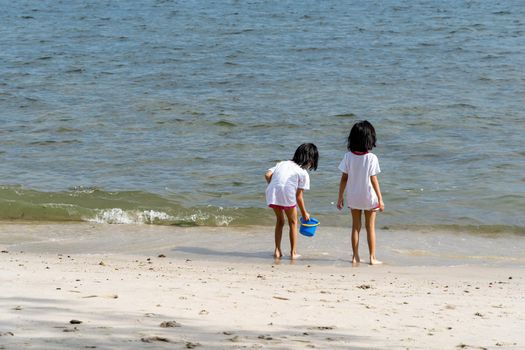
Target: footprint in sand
(109, 296)
(155, 338)
(70, 330)
(265, 337)
(322, 328)
(235, 339)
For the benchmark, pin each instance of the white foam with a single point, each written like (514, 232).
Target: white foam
(120, 216)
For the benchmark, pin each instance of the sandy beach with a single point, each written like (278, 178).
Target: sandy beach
(135, 139)
(82, 286)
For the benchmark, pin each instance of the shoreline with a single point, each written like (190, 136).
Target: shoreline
(217, 298)
(330, 246)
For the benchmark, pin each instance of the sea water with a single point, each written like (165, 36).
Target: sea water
(169, 112)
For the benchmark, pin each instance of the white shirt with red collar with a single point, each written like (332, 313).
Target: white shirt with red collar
(359, 191)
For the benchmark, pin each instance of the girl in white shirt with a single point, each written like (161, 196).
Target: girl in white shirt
(287, 181)
(360, 168)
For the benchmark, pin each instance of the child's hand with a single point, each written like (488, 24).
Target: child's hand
(340, 203)
(268, 176)
(306, 216)
(381, 206)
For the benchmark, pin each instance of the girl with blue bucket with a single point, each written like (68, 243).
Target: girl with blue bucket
(287, 181)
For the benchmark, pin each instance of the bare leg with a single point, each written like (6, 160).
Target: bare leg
(356, 227)
(291, 214)
(370, 222)
(279, 224)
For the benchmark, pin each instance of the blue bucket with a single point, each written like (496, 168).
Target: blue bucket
(308, 227)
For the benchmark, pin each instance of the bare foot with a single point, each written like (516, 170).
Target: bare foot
(374, 261)
(355, 259)
(277, 253)
(294, 256)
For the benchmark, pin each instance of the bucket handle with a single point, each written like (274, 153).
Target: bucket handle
(309, 225)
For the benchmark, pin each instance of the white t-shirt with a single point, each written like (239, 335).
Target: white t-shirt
(359, 191)
(286, 179)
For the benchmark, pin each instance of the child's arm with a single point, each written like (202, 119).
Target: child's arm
(342, 186)
(375, 185)
(300, 204)
(268, 176)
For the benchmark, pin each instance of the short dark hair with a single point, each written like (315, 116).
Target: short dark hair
(306, 156)
(362, 137)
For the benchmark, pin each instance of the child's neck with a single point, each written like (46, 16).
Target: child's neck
(357, 153)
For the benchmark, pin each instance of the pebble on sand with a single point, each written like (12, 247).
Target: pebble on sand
(170, 324)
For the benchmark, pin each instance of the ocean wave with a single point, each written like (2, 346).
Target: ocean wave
(96, 205)
(153, 217)
(119, 216)
(92, 204)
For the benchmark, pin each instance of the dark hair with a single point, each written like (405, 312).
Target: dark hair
(306, 156)
(362, 137)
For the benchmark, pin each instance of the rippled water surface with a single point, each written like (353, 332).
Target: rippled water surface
(171, 111)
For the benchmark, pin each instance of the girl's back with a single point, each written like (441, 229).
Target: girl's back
(359, 167)
(286, 179)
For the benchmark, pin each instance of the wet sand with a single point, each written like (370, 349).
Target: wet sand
(80, 286)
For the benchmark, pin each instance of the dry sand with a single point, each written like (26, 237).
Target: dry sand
(80, 286)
